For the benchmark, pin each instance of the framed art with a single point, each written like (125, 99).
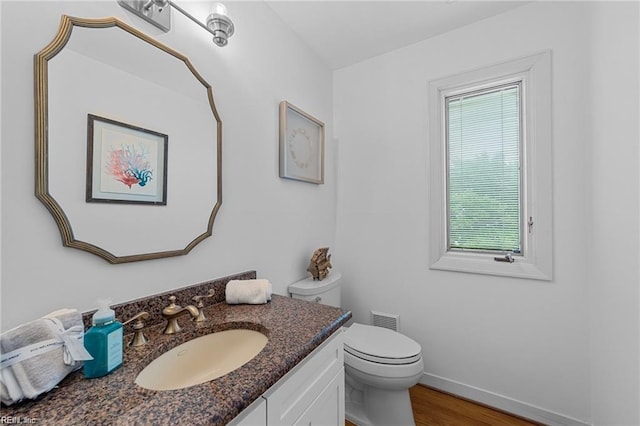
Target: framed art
(301, 145)
(125, 163)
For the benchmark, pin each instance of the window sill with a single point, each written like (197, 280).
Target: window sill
(484, 264)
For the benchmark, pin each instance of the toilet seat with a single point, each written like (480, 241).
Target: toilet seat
(379, 360)
(381, 357)
(381, 345)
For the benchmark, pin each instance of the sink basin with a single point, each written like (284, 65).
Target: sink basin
(202, 359)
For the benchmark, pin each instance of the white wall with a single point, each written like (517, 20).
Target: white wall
(536, 348)
(614, 178)
(265, 223)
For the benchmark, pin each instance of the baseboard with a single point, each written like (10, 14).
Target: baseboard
(499, 402)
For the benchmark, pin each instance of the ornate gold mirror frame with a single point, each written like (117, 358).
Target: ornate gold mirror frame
(42, 146)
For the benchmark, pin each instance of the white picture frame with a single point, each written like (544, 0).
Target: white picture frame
(301, 145)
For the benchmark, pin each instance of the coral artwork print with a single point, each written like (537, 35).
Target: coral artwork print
(125, 163)
(129, 165)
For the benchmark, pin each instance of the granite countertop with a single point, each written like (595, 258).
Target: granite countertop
(294, 329)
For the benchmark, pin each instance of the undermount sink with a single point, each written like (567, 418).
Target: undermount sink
(202, 359)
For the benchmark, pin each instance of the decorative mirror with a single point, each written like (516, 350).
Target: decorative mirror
(128, 143)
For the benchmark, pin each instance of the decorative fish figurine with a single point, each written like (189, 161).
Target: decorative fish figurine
(320, 263)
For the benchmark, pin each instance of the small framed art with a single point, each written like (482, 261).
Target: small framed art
(301, 145)
(125, 163)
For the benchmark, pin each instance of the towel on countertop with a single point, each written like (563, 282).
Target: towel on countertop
(37, 355)
(252, 292)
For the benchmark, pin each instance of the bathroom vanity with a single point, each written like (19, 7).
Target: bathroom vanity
(297, 378)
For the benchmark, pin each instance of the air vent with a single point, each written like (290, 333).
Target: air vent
(381, 319)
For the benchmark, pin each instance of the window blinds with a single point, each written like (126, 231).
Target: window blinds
(483, 177)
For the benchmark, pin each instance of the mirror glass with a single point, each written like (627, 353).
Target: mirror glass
(116, 73)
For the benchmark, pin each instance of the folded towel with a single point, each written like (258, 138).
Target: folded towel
(37, 355)
(253, 292)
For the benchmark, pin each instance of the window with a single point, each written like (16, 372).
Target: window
(483, 169)
(490, 185)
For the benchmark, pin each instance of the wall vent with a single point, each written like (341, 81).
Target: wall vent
(381, 319)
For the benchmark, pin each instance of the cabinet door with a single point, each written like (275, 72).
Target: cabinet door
(292, 395)
(328, 408)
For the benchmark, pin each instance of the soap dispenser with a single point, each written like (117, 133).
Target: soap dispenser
(104, 342)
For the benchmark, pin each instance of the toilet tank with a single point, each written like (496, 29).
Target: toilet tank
(326, 291)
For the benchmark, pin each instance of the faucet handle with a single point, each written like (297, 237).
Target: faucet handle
(138, 325)
(198, 299)
(200, 305)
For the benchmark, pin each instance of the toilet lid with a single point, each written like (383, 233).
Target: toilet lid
(380, 345)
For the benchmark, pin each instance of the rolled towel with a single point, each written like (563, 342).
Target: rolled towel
(253, 292)
(37, 355)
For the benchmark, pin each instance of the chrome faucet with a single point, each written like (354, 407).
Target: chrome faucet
(173, 311)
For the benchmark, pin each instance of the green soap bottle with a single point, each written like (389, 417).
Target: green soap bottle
(104, 342)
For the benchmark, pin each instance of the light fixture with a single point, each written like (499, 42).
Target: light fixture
(158, 13)
(220, 24)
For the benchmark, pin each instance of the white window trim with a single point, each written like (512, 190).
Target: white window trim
(537, 259)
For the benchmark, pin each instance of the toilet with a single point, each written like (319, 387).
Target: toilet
(380, 364)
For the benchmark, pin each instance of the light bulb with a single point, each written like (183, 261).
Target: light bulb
(219, 9)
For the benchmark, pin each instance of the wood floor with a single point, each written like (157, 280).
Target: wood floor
(435, 408)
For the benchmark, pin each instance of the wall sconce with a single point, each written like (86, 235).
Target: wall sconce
(158, 13)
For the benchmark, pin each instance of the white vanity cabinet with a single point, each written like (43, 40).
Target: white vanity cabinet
(312, 393)
(328, 407)
(308, 389)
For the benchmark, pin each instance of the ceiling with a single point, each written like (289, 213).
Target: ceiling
(346, 32)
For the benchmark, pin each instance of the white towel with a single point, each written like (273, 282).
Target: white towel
(253, 292)
(37, 355)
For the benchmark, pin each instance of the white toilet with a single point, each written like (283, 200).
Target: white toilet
(380, 364)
